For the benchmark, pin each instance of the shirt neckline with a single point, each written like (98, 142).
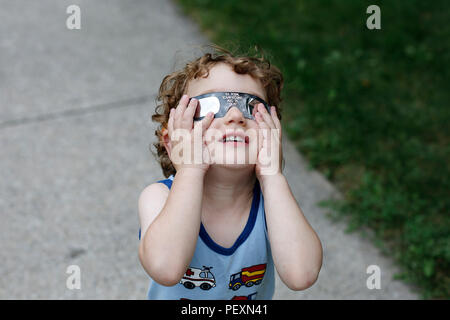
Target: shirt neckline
(244, 234)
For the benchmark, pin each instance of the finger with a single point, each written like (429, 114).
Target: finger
(170, 122)
(181, 107)
(203, 124)
(206, 122)
(206, 154)
(266, 116)
(276, 133)
(188, 115)
(191, 108)
(276, 121)
(260, 120)
(263, 127)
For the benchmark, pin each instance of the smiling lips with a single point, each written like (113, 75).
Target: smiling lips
(235, 138)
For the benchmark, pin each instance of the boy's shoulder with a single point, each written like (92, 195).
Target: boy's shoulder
(154, 190)
(160, 186)
(153, 196)
(151, 201)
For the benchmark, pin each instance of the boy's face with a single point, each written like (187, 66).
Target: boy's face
(222, 78)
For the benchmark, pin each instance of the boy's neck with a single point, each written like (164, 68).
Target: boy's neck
(228, 188)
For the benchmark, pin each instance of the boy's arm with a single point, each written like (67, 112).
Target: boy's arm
(296, 248)
(170, 237)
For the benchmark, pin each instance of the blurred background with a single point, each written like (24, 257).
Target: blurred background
(366, 113)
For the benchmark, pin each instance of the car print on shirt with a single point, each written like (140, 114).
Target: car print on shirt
(248, 276)
(195, 277)
(249, 297)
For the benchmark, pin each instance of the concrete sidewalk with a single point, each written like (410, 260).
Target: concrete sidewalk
(75, 129)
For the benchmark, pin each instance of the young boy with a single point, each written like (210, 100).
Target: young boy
(216, 227)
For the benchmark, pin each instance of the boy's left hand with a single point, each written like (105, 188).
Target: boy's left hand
(269, 140)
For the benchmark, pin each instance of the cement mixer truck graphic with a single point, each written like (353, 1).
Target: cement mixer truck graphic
(195, 277)
(248, 276)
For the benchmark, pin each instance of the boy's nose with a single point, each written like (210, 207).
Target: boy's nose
(234, 115)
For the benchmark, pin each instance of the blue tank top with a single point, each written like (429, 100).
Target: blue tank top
(243, 272)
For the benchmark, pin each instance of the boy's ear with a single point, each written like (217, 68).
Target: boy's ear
(165, 140)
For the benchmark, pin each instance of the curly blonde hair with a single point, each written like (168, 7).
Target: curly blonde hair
(174, 86)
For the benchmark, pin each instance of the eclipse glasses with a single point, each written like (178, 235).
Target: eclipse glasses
(220, 102)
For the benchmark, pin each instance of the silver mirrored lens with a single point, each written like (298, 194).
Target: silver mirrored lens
(208, 104)
(251, 106)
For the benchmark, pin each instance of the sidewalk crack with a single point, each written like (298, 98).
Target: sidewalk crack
(75, 112)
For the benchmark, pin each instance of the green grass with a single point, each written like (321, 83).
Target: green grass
(368, 108)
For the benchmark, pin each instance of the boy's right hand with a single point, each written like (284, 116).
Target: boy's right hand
(189, 149)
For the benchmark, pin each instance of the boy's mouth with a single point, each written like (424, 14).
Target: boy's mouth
(235, 138)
